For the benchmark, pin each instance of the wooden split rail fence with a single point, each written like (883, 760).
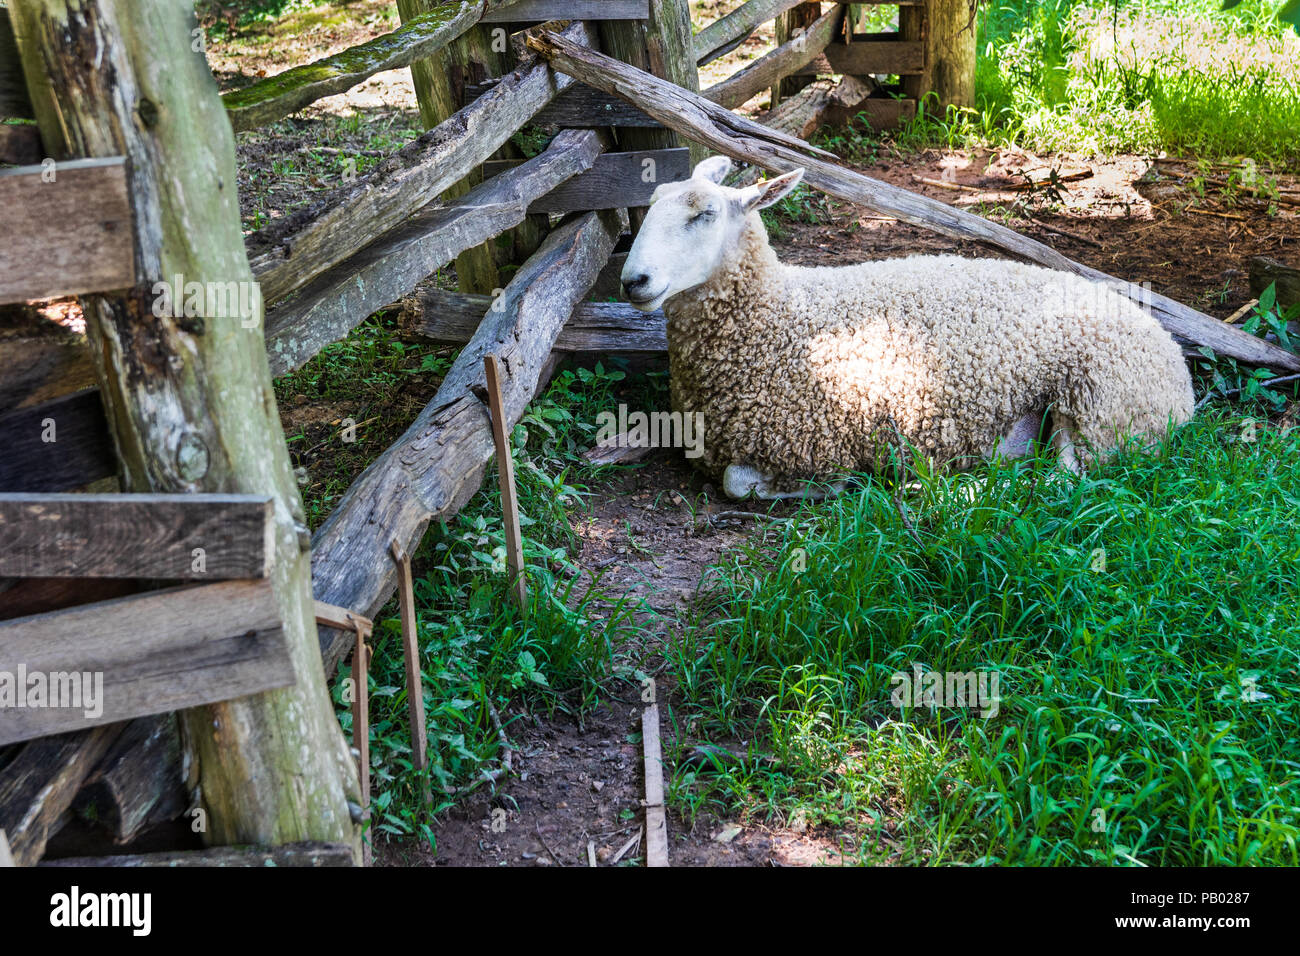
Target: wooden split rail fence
(225, 533)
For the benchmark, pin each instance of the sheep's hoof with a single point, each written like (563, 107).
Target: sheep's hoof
(741, 481)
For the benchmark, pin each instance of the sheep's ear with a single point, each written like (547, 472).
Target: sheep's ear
(714, 169)
(766, 193)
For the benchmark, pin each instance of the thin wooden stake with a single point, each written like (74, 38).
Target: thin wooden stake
(411, 652)
(506, 474)
(656, 824)
(361, 727)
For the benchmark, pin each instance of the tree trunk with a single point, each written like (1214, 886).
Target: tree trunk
(189, 399)
(946, 28)
(481, 52)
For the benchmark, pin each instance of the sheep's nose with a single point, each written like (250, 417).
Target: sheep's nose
(633, 283)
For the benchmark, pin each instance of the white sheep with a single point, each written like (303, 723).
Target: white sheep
(807, 373)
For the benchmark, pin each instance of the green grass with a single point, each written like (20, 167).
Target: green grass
(1149, 711)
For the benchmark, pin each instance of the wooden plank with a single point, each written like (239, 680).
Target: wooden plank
(656, 823)
(287, 854)
(40, 783)
(14, 101)
(338, 300)
(740, 138)
(725, 34)
(41, 360)
(173, 537)
(411, 658)
(600, 327)
(869, 53)
(769, 69)
(615, 180)
(506, 480)
(146, 654)
(57, 445)
(6, 855)
(292, 251)
(20, 144)
(68, 236)
(579, 107)
(276, 96)
(536, 11)
(438, 463)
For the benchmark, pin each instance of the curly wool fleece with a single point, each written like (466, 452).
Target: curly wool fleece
(804, 372)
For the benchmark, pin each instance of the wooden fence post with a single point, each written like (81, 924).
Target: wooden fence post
(787, 23)
(481, 52)
(189, 398)
(946, 28)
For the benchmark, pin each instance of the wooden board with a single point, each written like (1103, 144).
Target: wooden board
(536, 11)
(615, 180)
(81, 450)
(579, 107)
(157, 652)
(287, 854)
(184, 537)
(726, 33)
(14, 101)
(869, 53)
(656, 823)
(65, 237)
(20, 144)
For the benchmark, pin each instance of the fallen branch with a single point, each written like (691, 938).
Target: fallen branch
(703, 121)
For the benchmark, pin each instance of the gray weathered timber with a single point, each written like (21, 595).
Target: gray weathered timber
(286, 854)
(20, 144)
(769, 69)
(380, 274)
(749, 141)
(182, 537)
(615, 180)
(68, 236)
(57, 445)
(14, 101)
(726, 33)
(578, 107)
(536, 11)
(275, 96)
(869, 53)
(438, 464)
(451, 318)
(157, 652)
(788, 26)
(292, 251)
(41, 782)
(190, 404)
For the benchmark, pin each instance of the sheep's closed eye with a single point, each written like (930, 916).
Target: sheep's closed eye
(704, 215)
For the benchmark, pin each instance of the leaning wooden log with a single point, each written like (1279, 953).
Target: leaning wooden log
(744, 139)
(450, 318)
(139, 783)
(292, 251)
(1265, 272)
(438, 464)
(40, 783)
(768, 70)
(190, 404)
(276, 96)
(286, 854)
(723, 35)
(337, 301)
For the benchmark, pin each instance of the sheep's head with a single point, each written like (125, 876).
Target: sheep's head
(689, 229)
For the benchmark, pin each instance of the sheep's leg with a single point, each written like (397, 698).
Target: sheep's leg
(1064, 435)
(741, 481)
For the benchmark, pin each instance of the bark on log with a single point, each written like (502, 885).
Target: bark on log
(40, 783)
(450, 318)
(749, 141)
(438, 464)
(380, 274)
(946, 28)
(190, 402)
(769, 69)
(292, 251)
(276, 96)
(725, 34)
